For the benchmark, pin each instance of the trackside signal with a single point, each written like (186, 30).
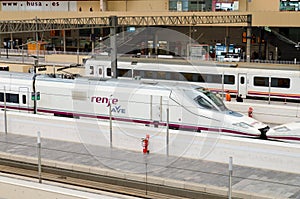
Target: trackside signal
(38, 96)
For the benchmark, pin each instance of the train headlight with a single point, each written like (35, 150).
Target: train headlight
(242, 124)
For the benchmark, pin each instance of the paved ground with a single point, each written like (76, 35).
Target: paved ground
(253, 181)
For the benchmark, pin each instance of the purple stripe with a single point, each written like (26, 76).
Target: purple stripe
(284, 138)
(146, 122)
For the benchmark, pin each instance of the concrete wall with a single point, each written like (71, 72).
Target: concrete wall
(258, 5)
(207, 146)
(138, 5)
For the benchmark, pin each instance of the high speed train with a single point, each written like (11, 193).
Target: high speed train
(248, 82)
(137, 102)
(289, 132)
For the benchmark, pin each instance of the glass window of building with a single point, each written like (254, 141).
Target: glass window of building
(289, 5)
(190, 5)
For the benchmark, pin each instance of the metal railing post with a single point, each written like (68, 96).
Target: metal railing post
(230, 178)
(39, 156)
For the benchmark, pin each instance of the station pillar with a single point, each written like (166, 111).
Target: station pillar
(248, 44)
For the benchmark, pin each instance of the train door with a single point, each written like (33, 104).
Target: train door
(24, 98)
(156, 108)
(242, 84)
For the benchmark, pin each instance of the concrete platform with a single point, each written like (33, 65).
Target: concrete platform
(195, 174)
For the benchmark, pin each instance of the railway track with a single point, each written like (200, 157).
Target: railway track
(96, 182)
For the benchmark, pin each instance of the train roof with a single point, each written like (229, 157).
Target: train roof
(99, 81)
(199, 63)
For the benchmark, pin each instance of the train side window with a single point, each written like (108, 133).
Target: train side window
(91, 70)
(136, 73)
(149, 74)
(210, 78)
(108, 72)
(242, 80)
(24, 99)
(200, 78)
(161, 75)
(175, 76)
(261, 81)
(12, 98)
(168, 75)
(124, 72)
(1, 97)
(187, 76)
(229, 79)
(280, 82)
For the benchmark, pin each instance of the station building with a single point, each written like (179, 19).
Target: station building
(275, 28)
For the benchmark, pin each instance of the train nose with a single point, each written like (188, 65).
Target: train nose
(263, 132)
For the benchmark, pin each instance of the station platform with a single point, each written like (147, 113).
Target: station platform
(193, 174)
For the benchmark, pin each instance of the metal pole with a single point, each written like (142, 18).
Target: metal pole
(113, 45)
(269, 100)
(77, 56)
(35, 100)
(248, 45)
(5, 116)
(36, 37)
(6, 47)
(230, 178)
(22, 54)
(146, 178)
(39, 156)
(110, 122)
(223, 85)
(168, 133)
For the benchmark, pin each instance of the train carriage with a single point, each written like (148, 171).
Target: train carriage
(151, 103)
(249, 82)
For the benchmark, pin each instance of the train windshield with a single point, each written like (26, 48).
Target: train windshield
(204, 103)
(215, 99)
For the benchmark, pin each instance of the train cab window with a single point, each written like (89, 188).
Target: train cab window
(280, 82)
(91, 70)
(204, 103)
(24, 99)
(100, 71)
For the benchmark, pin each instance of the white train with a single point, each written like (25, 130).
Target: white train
(289, 132)
(151, 103)
(249, 82)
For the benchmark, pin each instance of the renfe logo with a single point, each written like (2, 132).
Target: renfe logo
(104, 100)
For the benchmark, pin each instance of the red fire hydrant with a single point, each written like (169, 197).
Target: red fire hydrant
(250, 112)
(145, 144)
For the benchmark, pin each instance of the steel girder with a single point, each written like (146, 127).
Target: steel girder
(38, 25)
